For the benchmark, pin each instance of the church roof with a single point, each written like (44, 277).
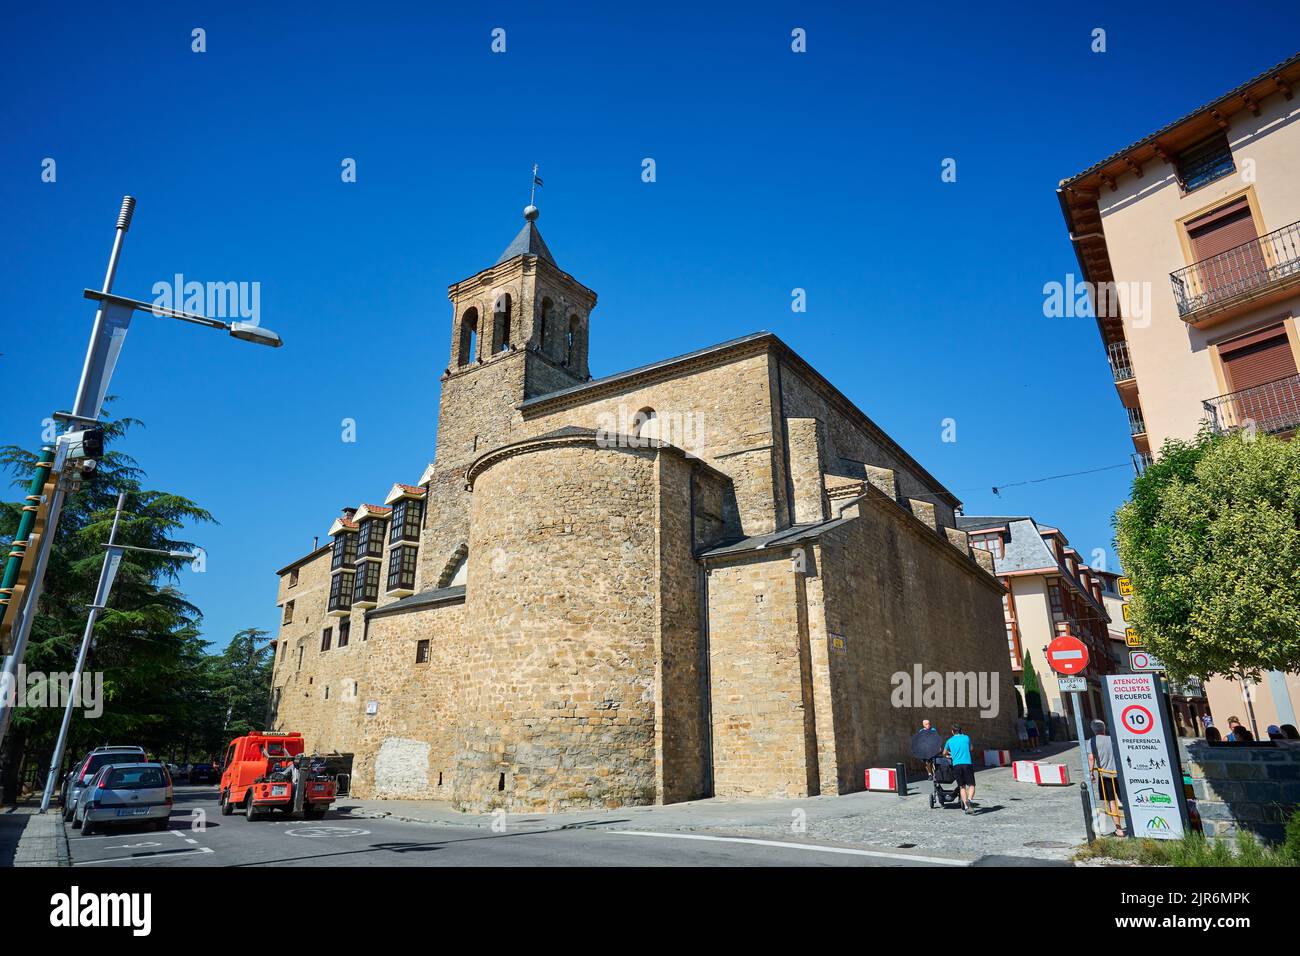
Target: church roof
(416, 602)
(528, 243)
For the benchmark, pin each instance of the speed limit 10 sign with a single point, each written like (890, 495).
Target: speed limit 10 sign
(1136, 719)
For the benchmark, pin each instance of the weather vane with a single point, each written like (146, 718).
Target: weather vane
(537, 181)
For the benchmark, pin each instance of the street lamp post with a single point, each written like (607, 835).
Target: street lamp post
(107, 574)
(112, 319)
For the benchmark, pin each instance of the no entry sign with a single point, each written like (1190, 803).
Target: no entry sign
(1067, 655)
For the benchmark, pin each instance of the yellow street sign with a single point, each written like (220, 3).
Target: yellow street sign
(1125, 586)
(1131, 637)
(1126, 611)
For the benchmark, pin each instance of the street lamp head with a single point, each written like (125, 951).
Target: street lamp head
(255, 333)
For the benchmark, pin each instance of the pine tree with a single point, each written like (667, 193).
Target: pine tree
(145, 643)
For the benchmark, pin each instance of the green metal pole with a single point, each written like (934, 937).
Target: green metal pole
(19, 547)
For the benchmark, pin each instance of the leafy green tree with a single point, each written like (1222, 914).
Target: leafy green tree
(1211, 540)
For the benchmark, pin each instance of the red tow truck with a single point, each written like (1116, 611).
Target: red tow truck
(269, 771)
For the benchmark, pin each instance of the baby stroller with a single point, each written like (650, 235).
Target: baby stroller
(927, 745)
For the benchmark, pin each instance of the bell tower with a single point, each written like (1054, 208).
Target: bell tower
(519, 328)
(524, 303)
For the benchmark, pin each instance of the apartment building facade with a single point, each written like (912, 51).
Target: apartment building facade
(1189, 240)
(1050, 591)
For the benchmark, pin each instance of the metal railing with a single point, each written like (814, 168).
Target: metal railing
(1239, 271)
(1120, 364)
(1271, 407)
(1136, 424)
(1141, 462)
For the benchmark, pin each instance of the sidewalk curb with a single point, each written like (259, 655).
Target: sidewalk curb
(61, 845)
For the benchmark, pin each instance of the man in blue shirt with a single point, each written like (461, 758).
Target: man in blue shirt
(958, 748)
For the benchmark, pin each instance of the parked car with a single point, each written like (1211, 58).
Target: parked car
(125, 793)
(84, 771)
(203, 773)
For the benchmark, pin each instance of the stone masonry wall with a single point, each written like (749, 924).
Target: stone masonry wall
(681, 703)
(804, 436)
(725, 413)
(303, 672)
(888, 594)
(405, 747)
(848, 445)
(764, 743)
(558, 668)
(1244, 787)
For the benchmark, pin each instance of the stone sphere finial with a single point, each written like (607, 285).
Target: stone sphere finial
(531, 213)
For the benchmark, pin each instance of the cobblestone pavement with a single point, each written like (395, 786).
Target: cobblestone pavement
(1012, 820)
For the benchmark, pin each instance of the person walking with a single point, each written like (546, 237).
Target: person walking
(957, 748)
(1031, 728)
(1022, 732)
(1101, 761)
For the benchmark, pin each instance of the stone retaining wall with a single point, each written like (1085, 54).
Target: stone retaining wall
(1253, 787)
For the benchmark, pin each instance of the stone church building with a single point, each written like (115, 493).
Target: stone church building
(697, 577)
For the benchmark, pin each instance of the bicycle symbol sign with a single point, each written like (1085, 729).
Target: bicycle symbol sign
(1136, 719)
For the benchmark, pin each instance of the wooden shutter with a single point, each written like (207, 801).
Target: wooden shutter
(1263, 356)
(1229, 258)
(1225, 228)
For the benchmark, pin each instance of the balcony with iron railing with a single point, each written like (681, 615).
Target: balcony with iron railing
(1120, 363)
(1136, 424)
(1220, 285)
(1273, 407)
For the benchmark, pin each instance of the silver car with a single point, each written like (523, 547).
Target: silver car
(125, 793)
(79, 777)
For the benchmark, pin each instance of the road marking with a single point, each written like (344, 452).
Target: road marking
(165, 854)
(181, 835)
(907, 857)
(317, 831)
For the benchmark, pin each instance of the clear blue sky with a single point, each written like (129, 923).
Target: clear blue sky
(775, 171)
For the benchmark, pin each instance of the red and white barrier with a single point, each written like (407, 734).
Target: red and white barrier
(1052, 774)
(997, 758)
(879, 778)
(1042, 774)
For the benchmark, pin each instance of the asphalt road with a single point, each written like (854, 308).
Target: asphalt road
(339, 841)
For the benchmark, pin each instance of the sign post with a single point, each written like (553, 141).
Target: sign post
(1068, 656)
(1151, 784)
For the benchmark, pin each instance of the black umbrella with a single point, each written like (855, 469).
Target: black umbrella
(926, 744)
